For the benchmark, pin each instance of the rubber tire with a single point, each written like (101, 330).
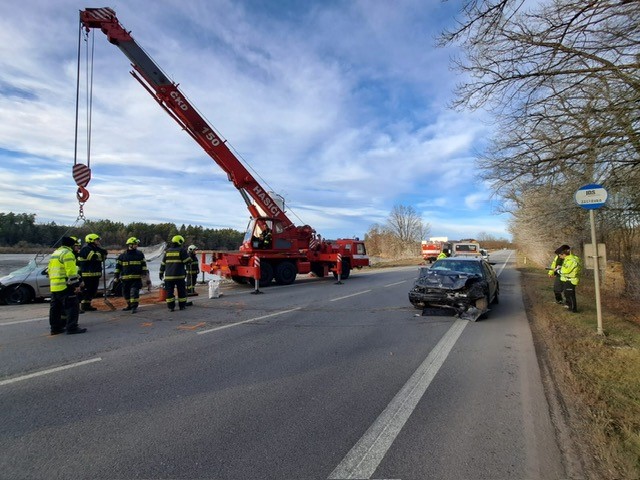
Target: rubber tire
(346, 271)
(317, 269)
(18, 295)
(266, 276)
(285, 273)
(479, 305)
(496, 299)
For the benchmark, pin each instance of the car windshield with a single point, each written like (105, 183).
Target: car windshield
(459, 266)
(28, 268)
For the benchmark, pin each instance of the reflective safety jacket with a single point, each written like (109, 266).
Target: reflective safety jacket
(62, 270)
(571, 268)
(442, 255)
(174, 263)
(557, 262)
(131, 265)
(90, 260)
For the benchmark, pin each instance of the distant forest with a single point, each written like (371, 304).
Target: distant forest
(20, 230)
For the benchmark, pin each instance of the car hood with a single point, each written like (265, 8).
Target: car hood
(445, 279)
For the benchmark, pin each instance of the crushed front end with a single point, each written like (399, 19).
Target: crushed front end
(458, 291)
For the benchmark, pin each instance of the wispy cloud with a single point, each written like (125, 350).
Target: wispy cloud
(338, 106)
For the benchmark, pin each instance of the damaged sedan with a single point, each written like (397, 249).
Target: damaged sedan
(466, 285)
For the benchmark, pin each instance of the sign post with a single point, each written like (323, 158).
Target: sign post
(591, 197)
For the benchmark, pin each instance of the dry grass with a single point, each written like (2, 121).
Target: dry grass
(596, 376)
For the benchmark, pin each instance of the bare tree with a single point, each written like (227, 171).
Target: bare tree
(401, 235)
(406, 225)
(563, 81)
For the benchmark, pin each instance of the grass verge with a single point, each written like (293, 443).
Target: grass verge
(597, 377)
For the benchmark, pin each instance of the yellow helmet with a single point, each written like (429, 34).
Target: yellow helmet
(179, 239)
(192, 248)
(92, 237)
(133, 241)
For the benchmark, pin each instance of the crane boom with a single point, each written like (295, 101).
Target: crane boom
(273, 247)
(176, 104)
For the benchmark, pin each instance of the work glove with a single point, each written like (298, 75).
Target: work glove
(161, 276)
(558, 271)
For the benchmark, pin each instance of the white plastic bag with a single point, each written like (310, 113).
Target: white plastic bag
(214, 286)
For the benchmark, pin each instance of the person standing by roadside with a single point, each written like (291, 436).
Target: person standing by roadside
(570, 277)
(445, 253)
(173, 271)
(66, 284)
(554, 272)
(90, 260)
(193, 269)
(131, 266)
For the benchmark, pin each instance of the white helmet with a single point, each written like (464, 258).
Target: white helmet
(192, 248)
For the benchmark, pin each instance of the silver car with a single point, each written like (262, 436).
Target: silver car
(31, 282)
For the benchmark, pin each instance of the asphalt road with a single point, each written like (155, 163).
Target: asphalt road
(310, 381)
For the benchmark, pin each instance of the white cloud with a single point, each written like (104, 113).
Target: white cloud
(339, 107)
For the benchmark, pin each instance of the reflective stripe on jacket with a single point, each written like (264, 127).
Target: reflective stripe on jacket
(131, 265)
(194, 267)
(62, 269)
(570, 270)
(174, 263)
(90, 260)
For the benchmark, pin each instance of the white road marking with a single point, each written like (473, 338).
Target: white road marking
(349, 296)
(247, 321)
(24, 321)
(363, 459)
(397, 283)
(505, 263)
(50, 370)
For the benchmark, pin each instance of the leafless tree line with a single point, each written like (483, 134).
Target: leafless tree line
(400, 236)
(562, 81)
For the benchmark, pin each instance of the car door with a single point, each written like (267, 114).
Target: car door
(491, 278)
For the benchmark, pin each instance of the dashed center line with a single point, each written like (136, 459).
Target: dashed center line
(349, 296)
(247, 321)
(50, 370)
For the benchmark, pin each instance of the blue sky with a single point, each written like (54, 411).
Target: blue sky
(339, 106)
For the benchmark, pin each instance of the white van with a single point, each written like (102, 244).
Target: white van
(465, 249)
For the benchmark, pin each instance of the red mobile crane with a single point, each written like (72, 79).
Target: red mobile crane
(273, 247)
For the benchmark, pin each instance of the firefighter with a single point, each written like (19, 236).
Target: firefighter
(193, 269)
(66, 284)
(266, 238)
(554, 272)
(76, 247)
(131, 267)
(570, 277)
(173, 270)
(90, 260)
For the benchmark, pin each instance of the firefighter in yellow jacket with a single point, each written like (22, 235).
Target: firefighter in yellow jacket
(570, 277)
(65, 287)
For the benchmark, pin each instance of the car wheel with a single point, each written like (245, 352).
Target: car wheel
(18, 295)
(482, 304)
(496, 298)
